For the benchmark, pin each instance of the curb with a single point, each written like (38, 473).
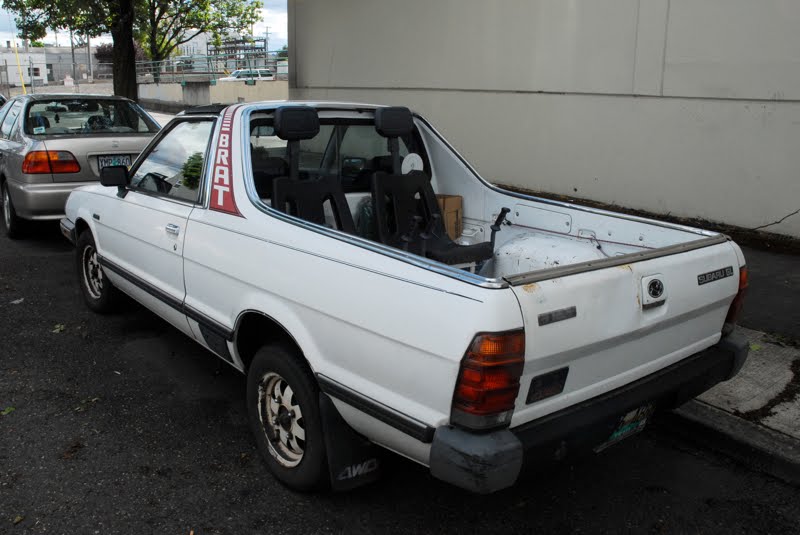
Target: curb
(754, 445)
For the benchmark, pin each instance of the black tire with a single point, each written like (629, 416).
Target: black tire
(11, 221)
(100, 295)
(272, 366)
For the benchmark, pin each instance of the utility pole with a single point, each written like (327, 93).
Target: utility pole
(89, 57)
(72, 48)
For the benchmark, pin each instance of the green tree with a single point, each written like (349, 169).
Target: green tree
(191, 170)
(164, 25)
(89, 18)
(283, 53)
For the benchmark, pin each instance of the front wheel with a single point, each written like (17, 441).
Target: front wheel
(12, 222)
(283, 409)
(98, 292)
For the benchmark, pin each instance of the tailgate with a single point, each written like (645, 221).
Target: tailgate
(609, 329)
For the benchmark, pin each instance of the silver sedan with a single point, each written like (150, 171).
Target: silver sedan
(51, 144)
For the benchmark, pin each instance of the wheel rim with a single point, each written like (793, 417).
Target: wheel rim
(281, 420)
(6, 207)
(92, 272)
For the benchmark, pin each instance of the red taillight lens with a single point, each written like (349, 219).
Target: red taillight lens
(36, 163)
(738, 302)
(50, 161)
(488, 380)
(62, 161)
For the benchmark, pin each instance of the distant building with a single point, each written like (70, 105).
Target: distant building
(32, 65)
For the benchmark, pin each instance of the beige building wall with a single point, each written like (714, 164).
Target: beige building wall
(673, 106)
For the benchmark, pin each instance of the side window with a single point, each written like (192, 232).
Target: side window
(174, 167)
(10, 119)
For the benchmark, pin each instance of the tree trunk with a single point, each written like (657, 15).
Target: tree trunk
(124, 54)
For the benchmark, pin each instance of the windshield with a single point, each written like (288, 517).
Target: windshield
(76, 116)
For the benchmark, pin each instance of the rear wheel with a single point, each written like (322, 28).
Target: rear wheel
(283, 409)
(11, 221)
(98, 292)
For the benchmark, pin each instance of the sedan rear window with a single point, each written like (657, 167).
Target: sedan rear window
(78, 116)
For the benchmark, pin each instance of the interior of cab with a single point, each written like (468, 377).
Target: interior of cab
(366, 175)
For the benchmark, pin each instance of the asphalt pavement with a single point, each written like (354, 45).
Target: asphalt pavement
(120, 424)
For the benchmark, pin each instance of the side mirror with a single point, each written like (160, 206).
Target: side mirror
(114, 175)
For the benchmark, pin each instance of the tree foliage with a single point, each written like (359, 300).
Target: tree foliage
(164, 25)
(283, 53)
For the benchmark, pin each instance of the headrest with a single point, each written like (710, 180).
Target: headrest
(394, 122)
(296, 122)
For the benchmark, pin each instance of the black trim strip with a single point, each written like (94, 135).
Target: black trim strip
(402, 422)
(212, 325)
(203, 320)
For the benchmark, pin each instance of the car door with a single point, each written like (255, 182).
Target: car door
(10, 141)
(141, 233)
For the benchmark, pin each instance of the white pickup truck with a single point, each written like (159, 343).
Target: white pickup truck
(303, 244)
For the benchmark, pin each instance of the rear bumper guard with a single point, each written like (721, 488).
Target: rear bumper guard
(492, 461)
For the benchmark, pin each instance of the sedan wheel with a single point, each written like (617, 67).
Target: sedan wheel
(11, 221)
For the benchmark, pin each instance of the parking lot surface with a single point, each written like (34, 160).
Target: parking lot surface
(120, 424)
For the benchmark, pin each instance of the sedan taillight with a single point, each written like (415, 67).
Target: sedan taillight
(39, 162)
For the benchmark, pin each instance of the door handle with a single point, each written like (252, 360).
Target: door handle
(172, 229)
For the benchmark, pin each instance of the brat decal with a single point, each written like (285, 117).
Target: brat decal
(222, 198)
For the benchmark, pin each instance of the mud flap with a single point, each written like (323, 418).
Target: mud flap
(352, 459)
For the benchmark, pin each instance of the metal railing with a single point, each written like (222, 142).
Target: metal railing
(199, 68)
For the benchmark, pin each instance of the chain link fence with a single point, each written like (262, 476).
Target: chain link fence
(197, 68)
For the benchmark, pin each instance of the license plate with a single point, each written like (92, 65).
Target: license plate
(628, 425)
(116, 159)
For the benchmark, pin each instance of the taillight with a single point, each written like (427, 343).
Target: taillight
(488, 380)
(738, 302)
(50, 161)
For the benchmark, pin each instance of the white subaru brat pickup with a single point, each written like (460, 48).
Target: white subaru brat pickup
(303, 244)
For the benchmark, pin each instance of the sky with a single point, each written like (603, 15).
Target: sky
(273, 15)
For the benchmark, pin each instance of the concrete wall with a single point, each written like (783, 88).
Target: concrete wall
(176, 97)
(672, 106)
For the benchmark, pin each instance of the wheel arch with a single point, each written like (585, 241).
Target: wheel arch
(81, 225)
(254, 328)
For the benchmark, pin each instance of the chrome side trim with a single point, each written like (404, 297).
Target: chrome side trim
(554, 273)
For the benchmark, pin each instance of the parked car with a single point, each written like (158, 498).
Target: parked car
(51, 144)
(304, 246)
(241, 75)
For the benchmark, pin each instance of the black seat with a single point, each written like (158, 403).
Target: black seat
(265, 171)
(37, 120)
(407, 214)
(306, 198)
(409, 217)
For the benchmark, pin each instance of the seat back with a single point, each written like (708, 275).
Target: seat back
(265, 171)
(306, 199)
(397, 199)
